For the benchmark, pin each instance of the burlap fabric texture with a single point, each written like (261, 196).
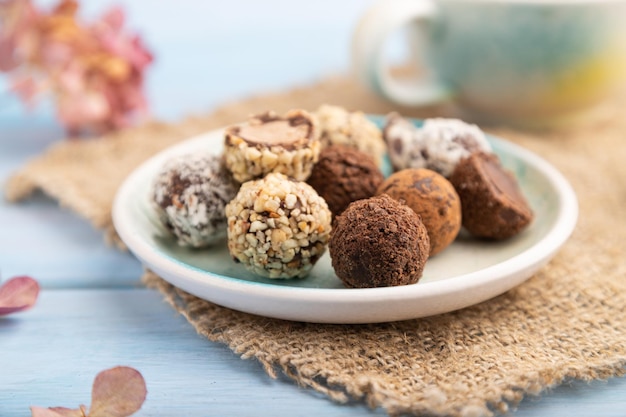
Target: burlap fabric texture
(568, 321)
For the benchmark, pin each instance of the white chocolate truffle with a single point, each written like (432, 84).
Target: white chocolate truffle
(189, 194)
(438, 145)
(278, 227)
(339, 126)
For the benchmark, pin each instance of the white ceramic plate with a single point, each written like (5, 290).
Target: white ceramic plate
(466, 273)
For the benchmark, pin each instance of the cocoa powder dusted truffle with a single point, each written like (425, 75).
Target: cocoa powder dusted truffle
(268, 142)
(439, 144)
(433, 198)
(278, 227)
(343, 175)
(378, 242)
(493, 204)
(339, 126)
(189, 194)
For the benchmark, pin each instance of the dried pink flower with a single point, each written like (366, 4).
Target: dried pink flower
(94, 72)
(18, 294)
(116, 392)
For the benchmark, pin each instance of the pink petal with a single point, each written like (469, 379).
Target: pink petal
(117, 392)
(140, 55)
(57, 56)
(108, 32)
(69, 412)
(55, 412)
(18, 21)
(7, 54)
(26, 87)
(17, 294)
(43, 412)
(72, 79)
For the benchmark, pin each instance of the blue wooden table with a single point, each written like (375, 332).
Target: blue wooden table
(93, 313)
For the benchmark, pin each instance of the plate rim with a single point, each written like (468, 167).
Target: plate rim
(524, 264)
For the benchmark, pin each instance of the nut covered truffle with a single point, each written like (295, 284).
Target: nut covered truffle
(189, 194)
(343, 175)
(493, 204)
(438, 145)
(278, 227)
(271, 143)
(431, 196)
(378, 242)
(339, 126)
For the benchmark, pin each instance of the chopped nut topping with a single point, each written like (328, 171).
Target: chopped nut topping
(269, 143)
(271, 239)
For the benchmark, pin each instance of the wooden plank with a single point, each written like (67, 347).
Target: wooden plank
(60, 249)
(51, 354)
(39, 238)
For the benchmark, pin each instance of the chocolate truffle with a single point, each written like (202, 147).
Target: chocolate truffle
(439, 144)
(189, 194)
(271, 143)
(339, 126)
(343, 175)
(492, 203)
(433, 198)
(378, 242)
(278, 227)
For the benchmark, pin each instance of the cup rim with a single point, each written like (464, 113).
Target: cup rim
(538, 2)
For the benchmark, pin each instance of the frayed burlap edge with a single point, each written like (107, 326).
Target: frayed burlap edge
(115, 155)
(301, 351)
(568, 321)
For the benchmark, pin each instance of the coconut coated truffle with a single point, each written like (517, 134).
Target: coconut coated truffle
(433, 198)
(439, 144)
(343, 175)
(378, 242)
(268, 142)
(189, 194)
(339, 126)
(278, 227)
(492, 202)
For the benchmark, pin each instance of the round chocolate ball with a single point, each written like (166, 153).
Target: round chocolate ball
(378, 242)
(278, 227)
(189, 194)
(433, 198)
(439, 144)
(343, 175)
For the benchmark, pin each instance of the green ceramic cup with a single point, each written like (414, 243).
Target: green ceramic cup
(499, 60)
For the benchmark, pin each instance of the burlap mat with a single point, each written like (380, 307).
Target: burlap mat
(568, 321)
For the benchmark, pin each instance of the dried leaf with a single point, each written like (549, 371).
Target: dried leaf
(17, 294)
(55, 412)
(117, 392)
(70, 412)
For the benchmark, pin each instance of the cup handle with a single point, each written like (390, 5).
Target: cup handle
(373, 31)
